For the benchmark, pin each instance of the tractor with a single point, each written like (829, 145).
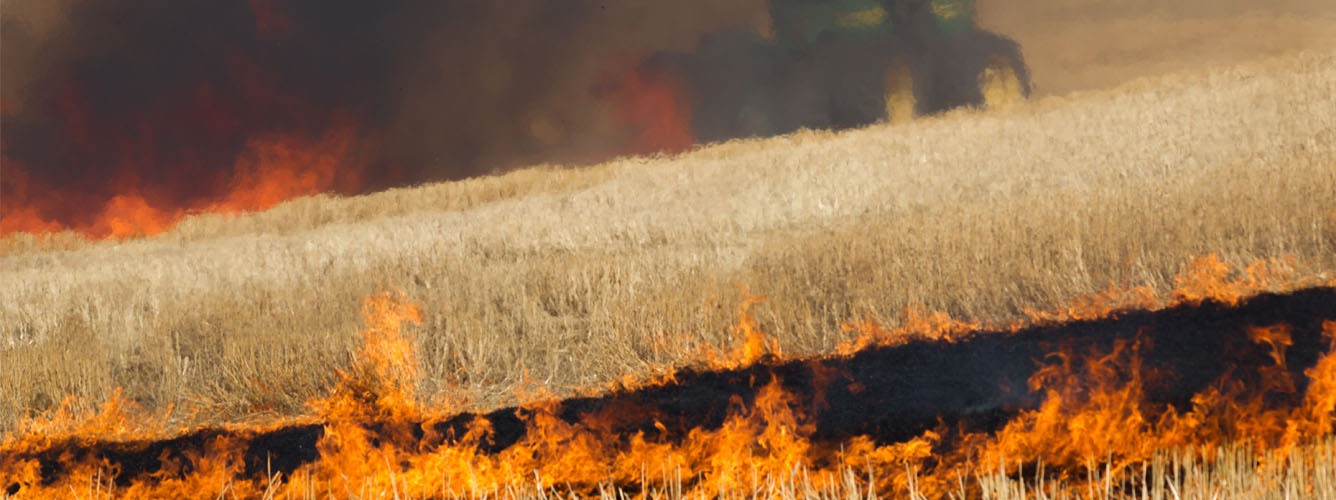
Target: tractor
(841, 64)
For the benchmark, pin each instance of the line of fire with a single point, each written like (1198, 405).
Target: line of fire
(1096, 390)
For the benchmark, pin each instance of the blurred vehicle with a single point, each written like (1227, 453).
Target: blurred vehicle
(840, 64)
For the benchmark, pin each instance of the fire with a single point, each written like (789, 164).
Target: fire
(245, 144)
(1098, 407)
(752, 344)
(275, 170)
(1317, 415)
(1206, 279)
(110, 151)
(917, 326)
(381, 382)
(268, 172)
(652, 103)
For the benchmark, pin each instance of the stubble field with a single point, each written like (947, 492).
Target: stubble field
(571, 278)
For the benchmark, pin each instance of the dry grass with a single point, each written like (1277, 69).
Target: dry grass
(1075, 45)
(571, 278)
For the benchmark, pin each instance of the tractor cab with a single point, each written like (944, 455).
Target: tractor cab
(840, 64)
(798, 24)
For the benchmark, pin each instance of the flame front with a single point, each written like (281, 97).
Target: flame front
(1097, 415)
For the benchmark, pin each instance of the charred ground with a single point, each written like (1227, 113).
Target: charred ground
(891, 393)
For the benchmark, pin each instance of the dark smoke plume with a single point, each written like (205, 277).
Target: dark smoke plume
(175, 102)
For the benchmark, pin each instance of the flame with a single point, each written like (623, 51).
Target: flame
(231, 133)
(654, 106)
(917, 326)
(752, 343)
(382, 381)
(272, 171)
(269, 171)
(1207, 279)
(1095, 414)
(1317, 415)
(1095, 407)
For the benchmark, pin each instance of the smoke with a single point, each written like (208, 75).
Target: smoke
(170, 103)
(489, 83)
(121, 116)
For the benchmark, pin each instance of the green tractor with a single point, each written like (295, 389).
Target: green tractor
(844, 63)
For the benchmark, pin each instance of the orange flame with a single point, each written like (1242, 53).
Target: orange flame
(917, 326)
(1094, 412)
(753, 344)
(268, 172)
(656, 109)
(1207, 279)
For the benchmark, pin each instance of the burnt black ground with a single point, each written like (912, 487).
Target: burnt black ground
(889, 393)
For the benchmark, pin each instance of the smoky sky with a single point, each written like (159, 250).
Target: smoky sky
(164, 94)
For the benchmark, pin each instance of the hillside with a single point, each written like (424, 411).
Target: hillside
(1075, 45)
(570, 278)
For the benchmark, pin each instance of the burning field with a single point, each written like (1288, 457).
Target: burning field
(120, 120)
(1090, 398)
(304, 262)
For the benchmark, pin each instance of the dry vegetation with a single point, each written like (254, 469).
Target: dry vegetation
(1075, 45)
(571, 278)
